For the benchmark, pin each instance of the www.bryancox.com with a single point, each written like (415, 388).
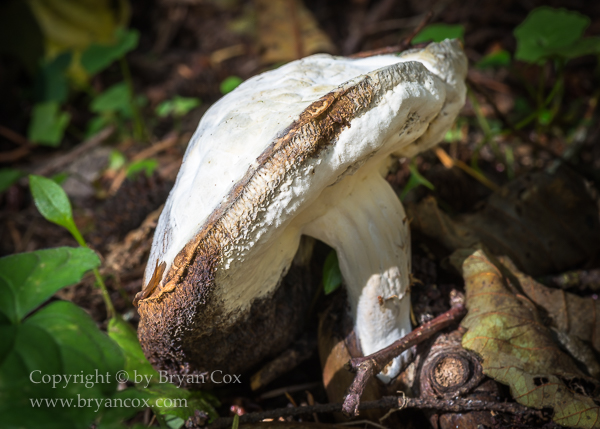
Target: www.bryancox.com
(108, 403)
(143, 380)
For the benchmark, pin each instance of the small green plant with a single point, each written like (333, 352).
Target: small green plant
(54, 205)
(553, 36)
(229, 84)
(48, 124)
(46, 345)
(50, 342)
(98, 57)
(415, 179)
(332, 276)
(114, 105)
(118, 161)
(177, 107)
(147, 166)
(117, 104)
(9, 176)
(439, 32)
(496, 59)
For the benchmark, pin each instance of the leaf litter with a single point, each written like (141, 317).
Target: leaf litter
(515, 345)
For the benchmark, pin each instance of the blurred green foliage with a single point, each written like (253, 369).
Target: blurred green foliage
(229, 84)
(332, 276)
(549, 33)
(439, 33)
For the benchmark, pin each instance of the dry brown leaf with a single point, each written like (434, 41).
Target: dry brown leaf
(517, 350)
(288, 31)
(544, 223)
(569, 313)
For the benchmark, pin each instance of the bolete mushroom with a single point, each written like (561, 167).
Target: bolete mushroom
(299, 150)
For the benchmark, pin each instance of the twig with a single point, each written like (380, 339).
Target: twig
(170, 140)
(367, 367)
(457, 405)
(14, 137)
(362, 422)
(397, 48)
(59, 162)
(290, 389)
(15, 154)
(450, 162)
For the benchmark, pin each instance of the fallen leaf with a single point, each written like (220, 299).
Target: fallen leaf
(569, 313)
(517, 350)
(288, 31)
(545, 223)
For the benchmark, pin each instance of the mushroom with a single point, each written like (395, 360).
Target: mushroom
(299, 150)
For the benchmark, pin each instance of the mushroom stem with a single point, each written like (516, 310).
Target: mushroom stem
(368, 229)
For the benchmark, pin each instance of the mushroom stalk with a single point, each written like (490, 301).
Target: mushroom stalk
(369, 231)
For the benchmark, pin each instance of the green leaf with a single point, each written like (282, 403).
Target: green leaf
(60, 178)
(174, 422)
(545, 116)
(236, 422)
(116, 160)
(585, 46)
(229, 84)
(454, 134)
(496, 59)
(51, 81)
(53, 203)
(8, 177)
(146, 165)
(415, 179)
(59, 340)
(114, 99)
(180, 402)
(32, 350)
(9, 335)
(439, 33)
(135, 361)
(47, 124)
(178, 106)
(113, 416)
(27, 280)
(97, 57)
(96, 124)
(332, 276)
(84, 346)
(547, 32)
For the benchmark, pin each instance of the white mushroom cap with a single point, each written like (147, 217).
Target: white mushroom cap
(297, 150)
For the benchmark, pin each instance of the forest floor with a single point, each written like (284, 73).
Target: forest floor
(525, 188)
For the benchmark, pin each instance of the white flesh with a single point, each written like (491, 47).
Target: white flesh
(369, 231)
